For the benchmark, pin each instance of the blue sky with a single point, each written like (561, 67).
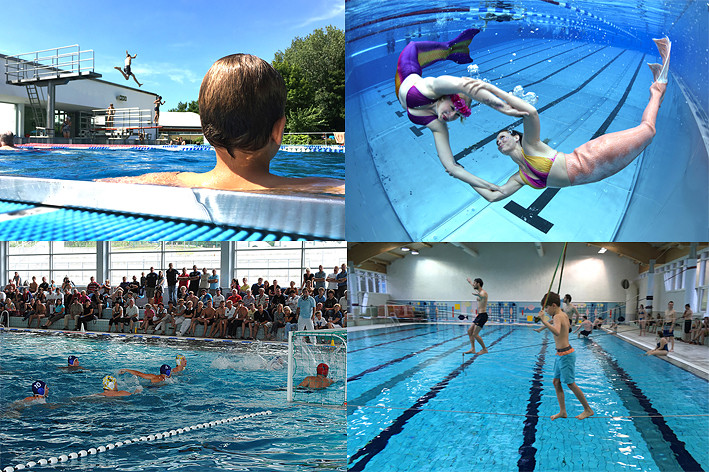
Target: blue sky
(176, 41)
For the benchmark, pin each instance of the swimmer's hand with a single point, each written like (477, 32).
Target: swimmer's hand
(138, 390)
(507, 109)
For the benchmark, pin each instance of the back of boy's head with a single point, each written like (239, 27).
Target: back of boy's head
(241, 98)
(551, 298)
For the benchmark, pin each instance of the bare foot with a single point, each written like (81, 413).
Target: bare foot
(484, 351)
(558, 415)
(472, 351)
(584, 414)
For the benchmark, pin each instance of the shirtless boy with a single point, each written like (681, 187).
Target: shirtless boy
(481, 319)
(126, 69)
(565, 363)
(668, 329)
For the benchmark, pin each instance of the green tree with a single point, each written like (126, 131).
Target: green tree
(314, 70)
(193, 106)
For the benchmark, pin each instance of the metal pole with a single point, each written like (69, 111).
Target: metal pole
(50, 110)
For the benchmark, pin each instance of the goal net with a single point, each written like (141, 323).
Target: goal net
(306, 351)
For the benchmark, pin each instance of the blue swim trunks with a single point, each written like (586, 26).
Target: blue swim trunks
(565, 368)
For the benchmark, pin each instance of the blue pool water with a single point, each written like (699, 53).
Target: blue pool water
(85, 164)
(218, 383)
(587, 66)
(412, 401)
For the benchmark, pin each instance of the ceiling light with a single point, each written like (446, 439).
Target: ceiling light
(405, 249)
(602, 250)
(414, 253)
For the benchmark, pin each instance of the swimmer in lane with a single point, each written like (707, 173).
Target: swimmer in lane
(565, 363)
(540, 166)
(433, 102)
(242, 110)
(110, 388)
(165, 371)
(181, 364)
(481, 319)
(585, 328)
(7, 142)
(40, 391)
(126, 69)
(319, 381)
(73, 364)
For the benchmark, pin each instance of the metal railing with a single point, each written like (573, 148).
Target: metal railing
(49, 64)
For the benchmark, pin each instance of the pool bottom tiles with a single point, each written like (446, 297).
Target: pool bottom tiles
(415, 403)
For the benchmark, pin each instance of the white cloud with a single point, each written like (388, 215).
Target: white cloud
(337, 8)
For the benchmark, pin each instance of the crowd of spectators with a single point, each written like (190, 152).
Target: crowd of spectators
(184, 300)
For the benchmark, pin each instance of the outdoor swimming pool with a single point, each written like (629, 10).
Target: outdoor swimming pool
(219, 382)
(586, 63)
(89, 164)
(412, 401)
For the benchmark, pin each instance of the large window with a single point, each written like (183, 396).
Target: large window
(133, 258)
(52, 259)
(286, 261)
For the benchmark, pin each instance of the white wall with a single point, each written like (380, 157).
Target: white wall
(511, 272)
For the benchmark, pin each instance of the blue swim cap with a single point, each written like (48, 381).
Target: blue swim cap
(165, 369)
(72, 359)
(39, 388)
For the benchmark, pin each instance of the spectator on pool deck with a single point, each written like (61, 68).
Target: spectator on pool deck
(342, 281)
(148, 313)
(116, 316)
(291, 320)
(305, 310)
(110, 113)
(183, 280)
(130, 315)
(308, 277)
(184, 319)
(213, 282)
(58, 312)
(279, 320)
(218, 298)
(204, 280)
(66, 127)
(242, 109)
(195, 275)
(668, 327)
(88, 315)
(209, 317)
(661, 348)
(701, 331)
(687, 317)
(39, 312)
(319, 278)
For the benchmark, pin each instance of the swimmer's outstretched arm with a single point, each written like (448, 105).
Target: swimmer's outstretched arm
(447, 85)
(532, 126)
(137, 374)
(445, 154)
(513, 184)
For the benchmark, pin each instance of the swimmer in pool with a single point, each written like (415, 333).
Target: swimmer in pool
(40, 391)
(242, 110)
(165, 371)
(126, 69)
(110, 388)
(319, 381)
(434, 101)
(73, 364)
(540, 166)
(565, 363)
(585, 328)
(181, 364)
(7, 142)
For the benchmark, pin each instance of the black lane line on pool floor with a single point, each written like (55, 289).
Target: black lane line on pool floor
(392, 341)
(407, 356)
(632, 397)
(527, 451)
(530, 214)
(377, 444)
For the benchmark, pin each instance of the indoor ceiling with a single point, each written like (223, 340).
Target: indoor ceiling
(378, 256)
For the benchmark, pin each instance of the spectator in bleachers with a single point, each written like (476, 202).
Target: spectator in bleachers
(291, 320)
(308, 276)
(279, 320)
(235, 297)
(10, 308)
(143, 284)
(124, 285)
(292, 301)
(266, 287)
(194, 280)
(272, 288)
(76, 309)
(179, 316)
(67, 284)
(204, 280)
(213, 282)
(39, 311)
(209, 317)
(219, 326)
(105, 289)
(234, 285)
(329, 303)
(319, 278)
(292, 289)
(171, 276)
(130, 314)
(250, 320)
(44, 285)
(161, 280)
(255, 287)
(319, 322)
(182, 294)
(33, 285)
(700, 332)
(88, 315)
(157, 298)
(197, 318)
(218, 298)
(277, 299)
(335, 318)
(93, 286)
(248, 298)
(148, 318)
(116, 316)
(332, 279)
(134, 286)
(204, 296)
(16, 279)
(244, 287)
(343, 302)
(183, 280)
(151, 281)
(230, 323)
(342, 281)
(262, 318)
(261, 298)
(320, 297)
(242, 319)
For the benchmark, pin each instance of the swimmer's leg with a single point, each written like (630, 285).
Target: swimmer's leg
(135, 78)
(122, 73)
(480, 339)
(471, 335)
(420, 54)
(587, 411)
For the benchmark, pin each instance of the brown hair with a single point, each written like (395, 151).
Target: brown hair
(241, 98)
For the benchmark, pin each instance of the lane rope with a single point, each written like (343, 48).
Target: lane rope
(110, 446)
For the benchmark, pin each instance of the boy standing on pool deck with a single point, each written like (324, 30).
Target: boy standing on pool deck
(242, 110)
(565, 363)
(481, 319)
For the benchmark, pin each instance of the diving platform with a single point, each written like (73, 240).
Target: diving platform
(57, 65)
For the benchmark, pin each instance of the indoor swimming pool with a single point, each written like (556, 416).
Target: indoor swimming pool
(586, 63)
(414, 399)
(220, 382)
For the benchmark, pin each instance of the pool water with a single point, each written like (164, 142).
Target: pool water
(413, 400)
(586, 64)
(219, 383)
(86, 164)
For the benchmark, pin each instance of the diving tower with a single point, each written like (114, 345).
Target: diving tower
(49, 68)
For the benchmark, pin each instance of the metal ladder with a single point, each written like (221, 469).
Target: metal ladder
(33, 93)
